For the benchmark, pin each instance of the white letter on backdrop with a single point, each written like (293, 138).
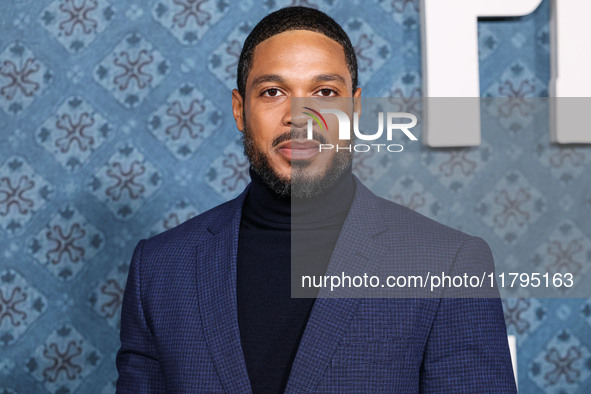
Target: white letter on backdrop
(450, 64)
(571, 71)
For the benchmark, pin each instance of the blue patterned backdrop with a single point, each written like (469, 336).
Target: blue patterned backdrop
(115, 124)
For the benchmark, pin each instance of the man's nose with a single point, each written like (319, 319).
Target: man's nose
(299, 120)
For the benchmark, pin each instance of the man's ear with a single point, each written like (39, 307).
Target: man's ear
(357, 101)
(237, 108)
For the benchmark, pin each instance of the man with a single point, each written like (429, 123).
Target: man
(208, 307)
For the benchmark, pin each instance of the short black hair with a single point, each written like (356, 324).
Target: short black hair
(293, 18)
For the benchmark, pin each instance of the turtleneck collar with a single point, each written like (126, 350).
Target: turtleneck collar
(265, 209)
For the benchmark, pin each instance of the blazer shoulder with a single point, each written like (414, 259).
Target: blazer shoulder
(414, 225)
(191, 230)
(423, 223)
(424, 244)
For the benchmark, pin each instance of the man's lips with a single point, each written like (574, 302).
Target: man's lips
(299, 149)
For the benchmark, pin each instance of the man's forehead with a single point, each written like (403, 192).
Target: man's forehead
(304, 50)
(294, 42)
(317, 78)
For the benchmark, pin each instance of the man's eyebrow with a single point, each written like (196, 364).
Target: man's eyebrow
(267, 78)
(329, 78)
(279, 79)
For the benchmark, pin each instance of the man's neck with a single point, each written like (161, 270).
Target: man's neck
(268, 209)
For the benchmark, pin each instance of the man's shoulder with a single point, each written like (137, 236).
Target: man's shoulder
(193, 229)
(421, 244)
(419, 223)
(400, 218)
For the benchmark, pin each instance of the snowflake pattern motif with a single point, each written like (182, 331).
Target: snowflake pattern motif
(561, 365)
(22, 78)
(523, 316)
(63, 361)
(565, 162)
(224, 60)
(565, 250)
(188, 20)
(185, 121)
(179, 213)
(455, 168)
(108, 295)
(511, 207)
(20, 305)
(228, 173)
(512, 101)
(76, 23)
(74, 133)
(404, 12)
(132, 70)
(371, 49)
(67, 243)
(22, 193)
(125, 182)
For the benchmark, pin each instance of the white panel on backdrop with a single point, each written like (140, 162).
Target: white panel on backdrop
(571, 70)
(450, 64)
(450, 42)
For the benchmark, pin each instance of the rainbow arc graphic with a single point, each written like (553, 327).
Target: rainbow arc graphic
(315, 115)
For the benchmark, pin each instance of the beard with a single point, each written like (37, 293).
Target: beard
(302, 184)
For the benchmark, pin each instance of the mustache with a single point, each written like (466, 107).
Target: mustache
(299, 134)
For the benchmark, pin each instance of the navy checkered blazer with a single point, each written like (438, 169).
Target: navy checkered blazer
(179, 325)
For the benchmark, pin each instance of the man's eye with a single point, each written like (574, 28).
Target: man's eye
(327, 92)
(272, 92)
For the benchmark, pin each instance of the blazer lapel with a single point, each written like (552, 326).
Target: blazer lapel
(216, 287)
(355, 250)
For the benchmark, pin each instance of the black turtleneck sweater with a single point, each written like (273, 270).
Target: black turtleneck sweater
(273, 231)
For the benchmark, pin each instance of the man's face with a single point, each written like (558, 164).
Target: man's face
(297, 63)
